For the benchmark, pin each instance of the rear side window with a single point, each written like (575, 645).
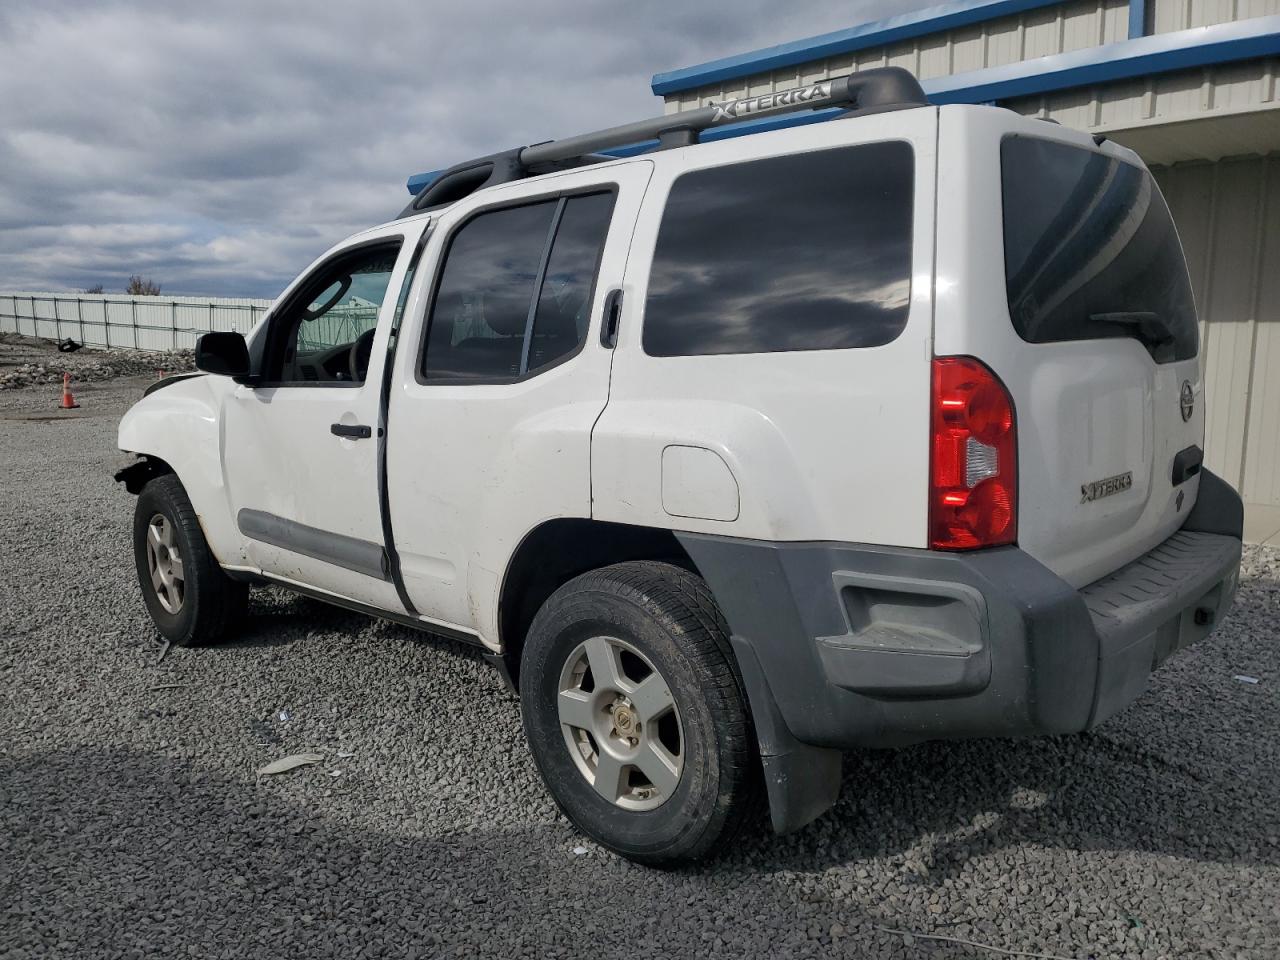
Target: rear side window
(1090, 251)
(514, 295)
(804, 252)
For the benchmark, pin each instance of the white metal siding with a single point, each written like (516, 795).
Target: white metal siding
(1166, 16)
(1163, 117)
(1166, 97)
(1226, 214)
(1026, 36)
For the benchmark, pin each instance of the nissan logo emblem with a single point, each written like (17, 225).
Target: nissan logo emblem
(1187, 400)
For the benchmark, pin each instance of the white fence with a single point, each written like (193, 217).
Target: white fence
(117, 320)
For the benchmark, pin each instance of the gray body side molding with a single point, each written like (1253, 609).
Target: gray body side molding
(350, 553)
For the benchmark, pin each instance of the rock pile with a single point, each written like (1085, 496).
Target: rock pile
(25, 361)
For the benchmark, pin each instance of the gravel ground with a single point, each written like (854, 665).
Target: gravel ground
(133, 825)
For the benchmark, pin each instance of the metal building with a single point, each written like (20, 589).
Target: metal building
(1189, 84)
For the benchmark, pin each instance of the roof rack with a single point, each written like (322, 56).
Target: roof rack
(868, 91)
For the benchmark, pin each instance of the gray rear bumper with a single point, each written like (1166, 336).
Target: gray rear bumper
(843, 645)
(1155, 606)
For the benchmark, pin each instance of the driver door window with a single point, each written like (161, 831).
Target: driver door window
(324, 334)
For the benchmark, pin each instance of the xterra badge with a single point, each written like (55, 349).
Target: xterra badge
(1105, 488)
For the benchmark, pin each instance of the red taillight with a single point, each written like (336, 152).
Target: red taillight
(973, 468)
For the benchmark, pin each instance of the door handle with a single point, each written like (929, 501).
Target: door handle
(612, 314)
(352, 431)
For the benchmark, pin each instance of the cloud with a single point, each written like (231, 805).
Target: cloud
(220, 147)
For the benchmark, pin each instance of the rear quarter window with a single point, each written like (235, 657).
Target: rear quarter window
(809, 251)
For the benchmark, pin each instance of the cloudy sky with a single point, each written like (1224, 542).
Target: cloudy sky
(217, 147)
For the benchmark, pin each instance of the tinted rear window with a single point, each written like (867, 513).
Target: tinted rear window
(804, 252)
(1090, 251)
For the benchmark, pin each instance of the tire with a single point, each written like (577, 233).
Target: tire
(643, 620)
(191, 600)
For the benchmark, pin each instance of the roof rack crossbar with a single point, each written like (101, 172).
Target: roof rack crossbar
(867, 91)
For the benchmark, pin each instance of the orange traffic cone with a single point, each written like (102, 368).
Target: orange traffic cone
(68, 401)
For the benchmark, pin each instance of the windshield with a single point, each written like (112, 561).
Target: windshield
(1091, 252)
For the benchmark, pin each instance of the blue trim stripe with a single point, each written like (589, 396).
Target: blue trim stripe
(1127, 59)
(948, 16)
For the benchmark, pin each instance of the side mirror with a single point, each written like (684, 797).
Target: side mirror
(225, 354)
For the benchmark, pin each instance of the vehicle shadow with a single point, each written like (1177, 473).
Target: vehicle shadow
(1182, 772)
(277, 617)
(166, 858)
(938, 805)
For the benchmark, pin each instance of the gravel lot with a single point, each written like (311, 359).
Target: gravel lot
(133, 825)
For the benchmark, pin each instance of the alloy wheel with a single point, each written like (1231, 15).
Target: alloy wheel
(165, 564)
(620, 723)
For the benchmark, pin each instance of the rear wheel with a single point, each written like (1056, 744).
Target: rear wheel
(635, 714)
(190, 599)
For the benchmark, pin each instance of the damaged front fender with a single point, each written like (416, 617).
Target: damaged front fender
(177, 430)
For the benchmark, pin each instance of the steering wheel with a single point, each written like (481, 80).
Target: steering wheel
(358, 358)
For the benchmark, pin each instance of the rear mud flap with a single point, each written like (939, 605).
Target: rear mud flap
(802, 781)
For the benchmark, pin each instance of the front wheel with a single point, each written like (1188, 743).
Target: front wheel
(635, 713)
(190, 599)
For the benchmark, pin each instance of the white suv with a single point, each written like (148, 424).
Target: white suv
(729, 454)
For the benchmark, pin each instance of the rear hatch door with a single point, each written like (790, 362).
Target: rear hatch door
(1083, 308)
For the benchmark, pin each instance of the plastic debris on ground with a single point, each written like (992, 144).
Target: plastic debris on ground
(291, 762)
